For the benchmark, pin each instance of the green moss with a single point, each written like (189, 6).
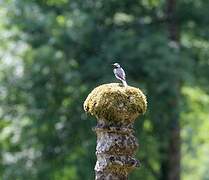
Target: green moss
(113, 102)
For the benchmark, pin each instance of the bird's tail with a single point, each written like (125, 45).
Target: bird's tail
(124, 83)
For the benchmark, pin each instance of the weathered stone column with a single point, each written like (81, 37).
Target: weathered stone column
(115, 107)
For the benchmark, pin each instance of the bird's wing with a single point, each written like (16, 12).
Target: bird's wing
(121, 73)
(124, 74)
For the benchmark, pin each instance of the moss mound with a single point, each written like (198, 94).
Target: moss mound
(112, 102)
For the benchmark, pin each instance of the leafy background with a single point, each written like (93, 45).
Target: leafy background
(54, 52)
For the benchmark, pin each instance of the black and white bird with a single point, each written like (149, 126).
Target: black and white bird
(119, 73)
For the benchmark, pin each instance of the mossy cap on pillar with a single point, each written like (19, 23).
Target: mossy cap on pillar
(113, 102)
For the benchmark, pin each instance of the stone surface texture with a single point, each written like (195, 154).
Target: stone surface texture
(115, 107)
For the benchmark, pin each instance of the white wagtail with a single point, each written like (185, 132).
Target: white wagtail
(119, 73)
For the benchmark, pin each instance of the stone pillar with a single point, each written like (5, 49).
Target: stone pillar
(116, 108)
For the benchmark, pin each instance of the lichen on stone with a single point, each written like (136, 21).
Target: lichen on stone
(113, 102)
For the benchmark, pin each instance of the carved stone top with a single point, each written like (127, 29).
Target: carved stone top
(115, 103)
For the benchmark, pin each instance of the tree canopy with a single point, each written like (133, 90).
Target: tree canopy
(54, 52)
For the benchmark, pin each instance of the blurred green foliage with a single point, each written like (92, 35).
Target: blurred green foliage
(195, 134)
(53, 52)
